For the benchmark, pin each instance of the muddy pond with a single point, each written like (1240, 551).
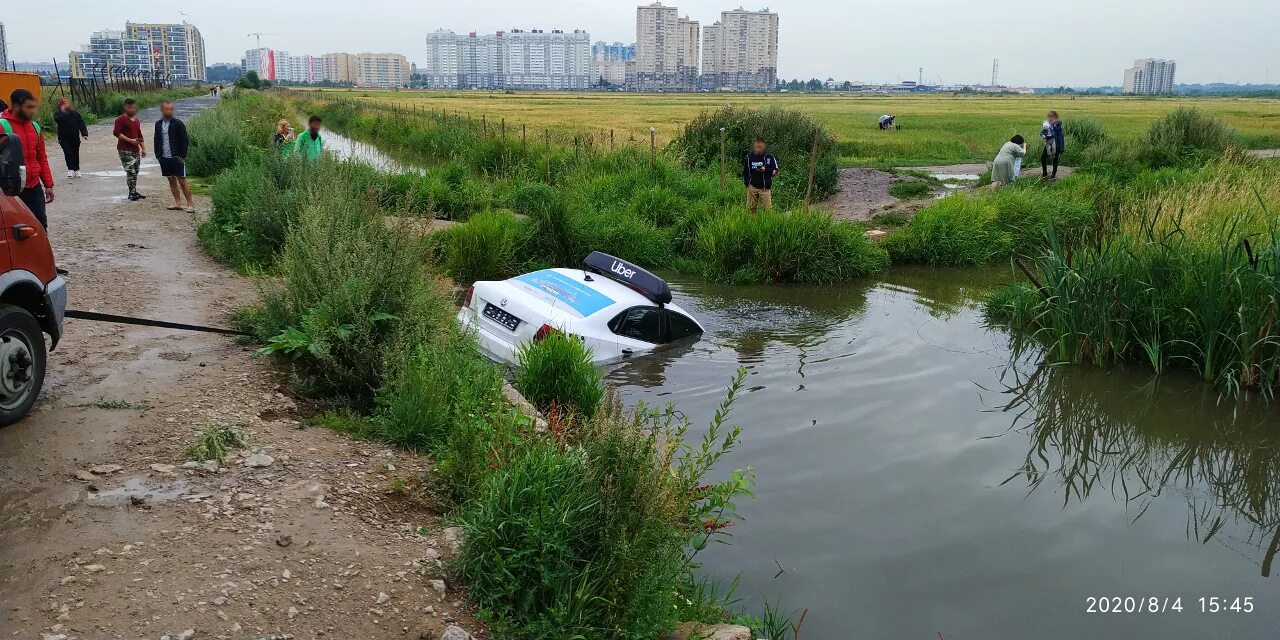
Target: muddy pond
(918, 477)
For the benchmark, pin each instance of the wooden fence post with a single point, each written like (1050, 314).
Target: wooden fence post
(484, 123)
(611, 139)
(813, 167)
(721, 157)
(523, 140)
(653, 148)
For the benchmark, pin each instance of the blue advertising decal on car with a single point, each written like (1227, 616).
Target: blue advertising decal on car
(577, 295)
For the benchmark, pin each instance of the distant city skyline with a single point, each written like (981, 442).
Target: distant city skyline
(1229, 41)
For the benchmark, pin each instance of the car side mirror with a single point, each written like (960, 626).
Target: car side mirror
(12, 167)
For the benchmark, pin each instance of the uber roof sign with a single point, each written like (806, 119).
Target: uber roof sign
(653, 287)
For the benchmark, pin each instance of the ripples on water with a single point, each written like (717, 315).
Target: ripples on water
(918, 476)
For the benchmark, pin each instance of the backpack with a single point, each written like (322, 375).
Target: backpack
(8, 128)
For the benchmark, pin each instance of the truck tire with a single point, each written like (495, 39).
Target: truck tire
(22, 362)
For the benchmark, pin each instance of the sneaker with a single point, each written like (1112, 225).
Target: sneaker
(77, 174)
(71, 174)
(135, 196)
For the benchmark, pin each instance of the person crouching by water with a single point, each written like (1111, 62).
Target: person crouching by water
(284, 137)
(310, 144)
(758, 169)
(1002, 170)
(71, 131)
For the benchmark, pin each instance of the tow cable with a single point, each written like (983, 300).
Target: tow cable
(108, 317)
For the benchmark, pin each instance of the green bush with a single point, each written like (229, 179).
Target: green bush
(772, 246)
(1183, 137)
(432, 386)
(790, 135)
(1029, 212)
(348, 287)
(557, 372)
(957, 230)
(591, 534)
(484, 247)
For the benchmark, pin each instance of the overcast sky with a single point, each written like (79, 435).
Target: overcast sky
(1073, 42)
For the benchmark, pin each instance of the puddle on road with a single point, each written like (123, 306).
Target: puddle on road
(139, 487)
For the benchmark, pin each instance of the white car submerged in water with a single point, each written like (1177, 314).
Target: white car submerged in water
(616, 308)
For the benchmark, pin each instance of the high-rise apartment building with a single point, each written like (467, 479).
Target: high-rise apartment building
(1150, 76)
(666, 50)
(383, 70)
(740, 51)
(515, 59)
(4, 48)
(175, 50)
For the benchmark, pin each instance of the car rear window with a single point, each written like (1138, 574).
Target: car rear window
(554, 287)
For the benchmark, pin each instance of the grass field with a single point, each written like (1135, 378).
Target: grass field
(936, 129)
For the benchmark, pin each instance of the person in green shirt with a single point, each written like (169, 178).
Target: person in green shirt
(310, 145)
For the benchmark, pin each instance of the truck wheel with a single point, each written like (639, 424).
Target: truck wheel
(22, 361)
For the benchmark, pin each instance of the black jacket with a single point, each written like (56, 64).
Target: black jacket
(70, 125)
(758, 171)
(178, 141)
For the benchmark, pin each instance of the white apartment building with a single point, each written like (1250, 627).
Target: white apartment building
(740, 51)
(1150, 76)
(4, 49)
(517, 59)
(667, 50)
(607, 70)
(382, 70)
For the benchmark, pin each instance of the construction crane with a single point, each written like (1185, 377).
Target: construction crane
(258, 37)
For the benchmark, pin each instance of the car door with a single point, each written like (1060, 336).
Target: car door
(638, 328)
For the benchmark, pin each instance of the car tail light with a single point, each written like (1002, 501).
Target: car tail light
(544, 331)
(470, 292)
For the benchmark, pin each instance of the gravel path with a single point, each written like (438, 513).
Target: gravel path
(109, 531)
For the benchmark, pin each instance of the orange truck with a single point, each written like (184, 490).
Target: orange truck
(10, 80)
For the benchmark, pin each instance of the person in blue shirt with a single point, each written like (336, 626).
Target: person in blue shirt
(1054, 141)
(758, 169)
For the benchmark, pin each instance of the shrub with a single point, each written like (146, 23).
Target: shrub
(557, 372)
(484, 247)
(791, 135)
(250, 214)
(591, 534)
(1184, 136)
(1028, 213)
(958, 230)
(432, 386)
(772, 246)
(348, 287)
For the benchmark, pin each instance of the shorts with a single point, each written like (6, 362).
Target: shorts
(172, 168)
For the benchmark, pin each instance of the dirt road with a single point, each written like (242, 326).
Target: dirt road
(109, 531)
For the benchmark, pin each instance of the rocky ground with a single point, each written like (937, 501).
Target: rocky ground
(110, 531)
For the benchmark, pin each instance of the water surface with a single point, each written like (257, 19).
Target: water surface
(915, 477)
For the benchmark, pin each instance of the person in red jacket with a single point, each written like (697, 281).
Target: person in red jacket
(19, 119)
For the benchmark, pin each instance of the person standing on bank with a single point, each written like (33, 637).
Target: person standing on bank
(1054, 140)
(171, 151)
(19, 120)
(130, 145)
(310, 145)
(71, 131)
(758, 169)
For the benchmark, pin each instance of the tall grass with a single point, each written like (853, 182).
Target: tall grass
(958, 230)
(772, 246)
(557, 373)
(586, 534)
(1193, 286)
